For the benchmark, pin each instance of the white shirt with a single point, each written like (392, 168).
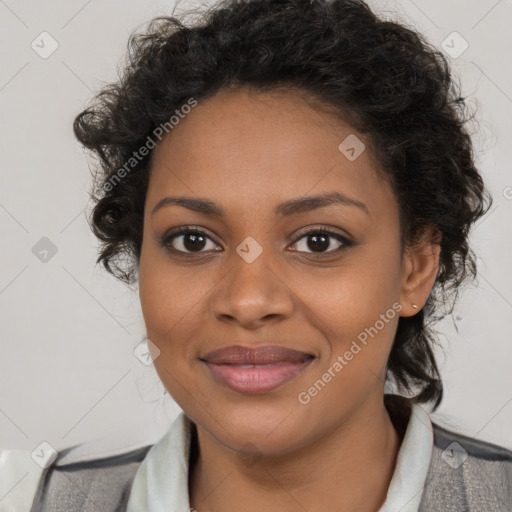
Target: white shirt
(161, 481)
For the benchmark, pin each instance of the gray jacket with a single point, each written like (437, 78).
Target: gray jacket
(465, 475)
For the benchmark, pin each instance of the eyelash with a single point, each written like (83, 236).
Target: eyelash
(166, 240)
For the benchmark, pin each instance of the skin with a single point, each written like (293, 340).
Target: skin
(247, 152)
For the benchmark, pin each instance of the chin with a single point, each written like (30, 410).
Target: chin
(268, 431)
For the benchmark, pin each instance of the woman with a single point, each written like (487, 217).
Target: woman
(291, 186)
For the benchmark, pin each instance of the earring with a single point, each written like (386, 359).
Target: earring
(414, 306)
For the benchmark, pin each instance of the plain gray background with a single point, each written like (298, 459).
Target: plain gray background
(68, 329)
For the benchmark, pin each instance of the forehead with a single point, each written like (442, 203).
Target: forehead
(241, 144)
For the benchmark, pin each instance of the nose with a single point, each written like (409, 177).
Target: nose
(252, 293)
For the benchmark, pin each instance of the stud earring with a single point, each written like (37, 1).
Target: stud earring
(414, 306)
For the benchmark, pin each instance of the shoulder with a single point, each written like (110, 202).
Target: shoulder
(27, 483)
(475, 448)
(467, 474)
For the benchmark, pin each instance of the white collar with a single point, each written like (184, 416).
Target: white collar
(161, 482)
(412, 464)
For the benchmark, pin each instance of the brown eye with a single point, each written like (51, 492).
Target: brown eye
(319, 240)
(186, 241)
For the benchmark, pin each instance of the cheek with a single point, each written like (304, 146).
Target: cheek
(356, 307)
(172, 300)
(350, 297)
(154, 299)
(167, 308)
(166, 295)
(159, 307)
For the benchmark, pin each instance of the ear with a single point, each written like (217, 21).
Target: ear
(419, 270)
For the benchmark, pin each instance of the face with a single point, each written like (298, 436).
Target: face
(262, 274)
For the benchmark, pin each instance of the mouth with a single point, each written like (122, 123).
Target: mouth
(256, 370)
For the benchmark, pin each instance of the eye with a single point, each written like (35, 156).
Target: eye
(187, 240)
(192, 240)
(320, 239)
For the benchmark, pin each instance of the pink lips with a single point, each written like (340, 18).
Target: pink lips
(256, 370)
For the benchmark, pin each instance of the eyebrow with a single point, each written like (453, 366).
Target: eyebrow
(285, 209)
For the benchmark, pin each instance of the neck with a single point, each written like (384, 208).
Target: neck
(352, 465)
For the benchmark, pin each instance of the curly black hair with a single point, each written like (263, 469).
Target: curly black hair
(381, 76)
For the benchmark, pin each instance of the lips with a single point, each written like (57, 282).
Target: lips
(255, 370)
(268, 354)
